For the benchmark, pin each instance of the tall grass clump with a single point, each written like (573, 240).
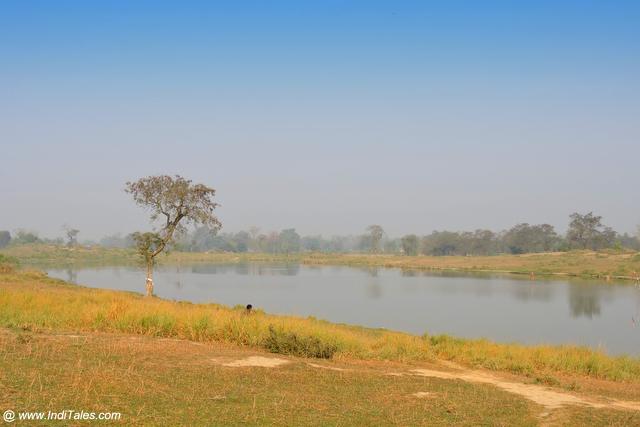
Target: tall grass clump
(529, 360)
(282, 341)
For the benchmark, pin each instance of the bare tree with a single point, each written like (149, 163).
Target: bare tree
(175, 201)
(376, 233)
(72, 235)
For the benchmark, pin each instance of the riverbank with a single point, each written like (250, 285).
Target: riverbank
(119, 351)
(31, 300)
(606, 265)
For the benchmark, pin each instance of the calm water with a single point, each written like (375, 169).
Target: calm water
(499, 308)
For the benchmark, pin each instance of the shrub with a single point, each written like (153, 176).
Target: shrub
(284, 342)
(7, 264)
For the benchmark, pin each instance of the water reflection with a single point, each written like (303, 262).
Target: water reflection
(584, 302)
(635, 319)
(371, 271)
(248, 269)
(586, 299)
(243, 268)
(72, 276)
(409, 273)
(534, 291)
(373, 288)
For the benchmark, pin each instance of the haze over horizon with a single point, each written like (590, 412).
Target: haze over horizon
(322, 117)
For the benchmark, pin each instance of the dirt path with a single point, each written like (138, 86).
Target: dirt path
(547, 397)
(550, 399)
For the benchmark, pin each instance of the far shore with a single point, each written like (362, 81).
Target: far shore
(606, 265)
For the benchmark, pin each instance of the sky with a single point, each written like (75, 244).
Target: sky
(322, 116)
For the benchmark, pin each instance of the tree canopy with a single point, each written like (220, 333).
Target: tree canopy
(587, 232)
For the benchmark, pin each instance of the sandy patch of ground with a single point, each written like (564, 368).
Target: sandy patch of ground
(257, 361)
(423, 394)
(331, 368)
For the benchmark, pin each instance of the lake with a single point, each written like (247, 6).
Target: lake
(500, 308)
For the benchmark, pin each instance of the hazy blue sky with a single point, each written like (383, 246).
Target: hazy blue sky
(323, 116)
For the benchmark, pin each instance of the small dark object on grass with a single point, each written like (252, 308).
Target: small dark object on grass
(249, 307)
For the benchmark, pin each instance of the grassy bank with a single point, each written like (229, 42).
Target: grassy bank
(44, 255)
(155, 381)
(29, 300)
(587, 264)
(152, 381)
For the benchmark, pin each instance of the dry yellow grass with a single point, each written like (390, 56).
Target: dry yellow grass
(160, 381)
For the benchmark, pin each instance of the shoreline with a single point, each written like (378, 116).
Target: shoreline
(607, 266)
(44, 303)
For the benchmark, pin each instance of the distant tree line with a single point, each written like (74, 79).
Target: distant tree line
(585, 231)
(23, 237)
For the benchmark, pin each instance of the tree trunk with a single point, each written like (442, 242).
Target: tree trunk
(149, 282)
